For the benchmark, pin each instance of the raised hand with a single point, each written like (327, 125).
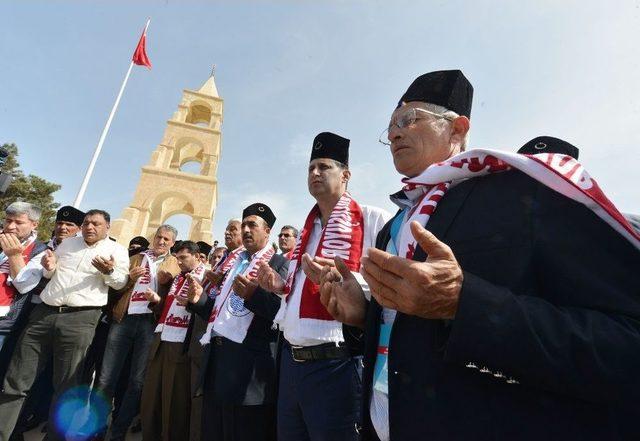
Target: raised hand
(342, 295)
(312, 267)
(215, 277)
(164, 277)
(49, 260)
(10, 244)
(152, 296)
(268, 279)
(105, 266)
(429, 289)
(244, 287)
(194, 292)
(136, 272)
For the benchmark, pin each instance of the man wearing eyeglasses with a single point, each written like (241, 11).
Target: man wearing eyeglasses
(287, 240)
(516, 315)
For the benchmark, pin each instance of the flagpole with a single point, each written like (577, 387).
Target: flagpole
(96, 153)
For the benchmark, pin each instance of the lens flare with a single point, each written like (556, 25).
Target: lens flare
(80, 413)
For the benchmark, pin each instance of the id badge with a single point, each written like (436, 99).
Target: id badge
(381, 373)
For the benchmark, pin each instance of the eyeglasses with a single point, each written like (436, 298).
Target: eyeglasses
(406, 119)
(287, 235)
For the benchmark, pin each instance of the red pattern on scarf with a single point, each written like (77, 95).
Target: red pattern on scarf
(342, 236)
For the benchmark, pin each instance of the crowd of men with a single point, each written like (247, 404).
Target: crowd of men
(501, 302)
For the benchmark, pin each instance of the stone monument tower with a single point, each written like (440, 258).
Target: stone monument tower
(192, 134)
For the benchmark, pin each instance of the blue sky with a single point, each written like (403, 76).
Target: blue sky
(288, 70)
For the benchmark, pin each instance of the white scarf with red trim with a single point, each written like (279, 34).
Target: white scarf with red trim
(174, 320)
(213, 291)
(560, 173)
(230, 318)
(138, 304)
(343, 237)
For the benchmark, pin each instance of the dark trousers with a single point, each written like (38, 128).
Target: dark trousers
(319, 400)
(133, 334)
(63, 336)
(238, 423)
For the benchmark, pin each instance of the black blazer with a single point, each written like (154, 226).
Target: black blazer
(245, 374)
(549, 307)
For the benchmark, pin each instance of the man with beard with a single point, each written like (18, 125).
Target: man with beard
(240, 380)
(516, 314)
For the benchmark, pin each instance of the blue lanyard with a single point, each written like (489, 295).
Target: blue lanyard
(395, 231)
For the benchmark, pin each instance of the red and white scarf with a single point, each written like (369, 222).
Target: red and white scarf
(174, 320)
(213, 291)
(561, 173)
(138, 304)
(229, 317)
(343, 237)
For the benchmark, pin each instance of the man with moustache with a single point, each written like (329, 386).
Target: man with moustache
(516, 314)
(62, 326)
(240, 380)
(133, 325)
(320, 363)
(68, 222)
(20, 271)
(166, 394)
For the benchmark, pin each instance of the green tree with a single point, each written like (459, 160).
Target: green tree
(31, 189)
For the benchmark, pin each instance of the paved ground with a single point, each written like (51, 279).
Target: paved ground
(37, 435)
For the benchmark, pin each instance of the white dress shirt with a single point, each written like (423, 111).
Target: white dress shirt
(76, 282)
(374, 219)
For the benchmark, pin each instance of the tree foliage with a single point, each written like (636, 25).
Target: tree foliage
(31, 188)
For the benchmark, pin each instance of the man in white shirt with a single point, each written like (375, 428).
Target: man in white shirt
(81, 271)
(319, 394)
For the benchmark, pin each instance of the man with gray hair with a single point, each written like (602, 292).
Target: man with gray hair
(133, 324)
(20, 270)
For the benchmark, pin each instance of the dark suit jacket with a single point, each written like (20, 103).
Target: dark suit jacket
(550, 299)
(245, 374)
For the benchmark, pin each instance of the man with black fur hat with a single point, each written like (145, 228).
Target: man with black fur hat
(68, 222)
(321, 361)
(240, 379)
(516, 314)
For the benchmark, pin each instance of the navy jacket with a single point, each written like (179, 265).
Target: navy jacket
(245, 374)
(546, 340)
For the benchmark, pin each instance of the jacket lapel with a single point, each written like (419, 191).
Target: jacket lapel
(445, 213)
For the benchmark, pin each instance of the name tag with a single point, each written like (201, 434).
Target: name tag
(380, 372)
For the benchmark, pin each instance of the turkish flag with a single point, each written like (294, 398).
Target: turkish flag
(140, 55)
